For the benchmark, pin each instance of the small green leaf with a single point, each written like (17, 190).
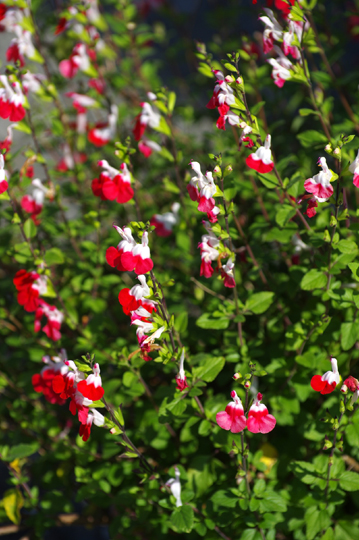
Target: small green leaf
(21, 451)
(313, 280)
(13, 501)
(54, 256)
(29, 228)
(209, 371)
(259, 302)
(349, 334)
(182, 519)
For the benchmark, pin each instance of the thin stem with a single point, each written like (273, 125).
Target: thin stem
(337, 205)
(330, 461)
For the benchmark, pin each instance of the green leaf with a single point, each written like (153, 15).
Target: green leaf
(272, 502)
(29, 228)
(22, 126)
(316, 521)
(349, 334)
(312, 138)
(182, 519)
(347, 246)
(284, 215)
(346, 530)
(313, 280)
(21, 451)
(205, 321)
(54, 256)
(307, 112)
(224, 498)
(205, 70)
(171, 102)
(209, 371)
(230, 67)
(349, 481)
(251, 534)
(4, 196)
(259, 302)
(163, 127)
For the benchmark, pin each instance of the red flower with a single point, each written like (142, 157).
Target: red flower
(91, 388)
(325, 384)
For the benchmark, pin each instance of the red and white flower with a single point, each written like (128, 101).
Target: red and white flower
(132, 299)
(320, 185)
(99, 135)
(11, 101)
(42, 382)
(91, 388)
(227, 272)
(311, 208)
(259, 420)
(181, 380)
(232, 418)
(54, 320)
(261, 160)
(202, 188)
(272, 31)
(3, 175)
(34, 203)
(281, 67)
(94, 417)
(81, 102)
(146, 147)
(80, 59)
(147, 117)
(30, 286)
(126, 245)
(223, 95)
(114, 184)
(354, 168)
(288, 38)
(208, 254)
(6, 146)
(20, 46)
(32, 82)
(325, 384)
(67, 163)
(164, 223)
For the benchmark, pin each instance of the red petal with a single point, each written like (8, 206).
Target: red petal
(128, 261)
(317, 384)
(258, 165)
(328, 388)
(58, 384)
(143, 265)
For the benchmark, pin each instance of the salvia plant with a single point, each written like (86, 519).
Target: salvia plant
(179, 270)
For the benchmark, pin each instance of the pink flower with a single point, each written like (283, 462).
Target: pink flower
(147, 117)
(325, 384)
(351, 384)
(232, 419)
(127, 244)
(34, 203)
(208, 254)
(354, 168)
(100, 136)
(115, 184)
(181, 380)
(91, 388)
(259, 421)
(164, 223)
(222, 94)
(320, 184)
(261, 160)
(288, 37)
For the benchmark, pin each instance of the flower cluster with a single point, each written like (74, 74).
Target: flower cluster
(33, 204)
(319, 186)
(113, 184)
(148, 117)
(233, 418)
(30, 286)
(60, 380)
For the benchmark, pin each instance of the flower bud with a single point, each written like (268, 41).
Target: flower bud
(339, 445)
(341, 406)
(229, 79)
(239, 80)
(344, 389)
(237, 376)
(227, 171)
(327, 444)
(247, 384)
(217, 171)
(336, 151)
(329, 149)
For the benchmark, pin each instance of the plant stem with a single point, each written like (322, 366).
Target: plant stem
(330, 461)
(337, 205)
